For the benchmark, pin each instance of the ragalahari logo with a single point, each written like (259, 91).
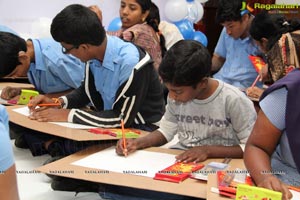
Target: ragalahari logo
(246, 6)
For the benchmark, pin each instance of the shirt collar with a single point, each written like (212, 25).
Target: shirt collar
(38, 57)
(110, 55)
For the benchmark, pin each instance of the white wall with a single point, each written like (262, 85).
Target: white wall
(288, 2)
(23, 16)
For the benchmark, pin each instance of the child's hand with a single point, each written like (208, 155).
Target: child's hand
(254, 92)
(127, 35)
(10, 92)
(48, 114)
(33, 103)
(131, 146)
(273, 183)
(196, 154)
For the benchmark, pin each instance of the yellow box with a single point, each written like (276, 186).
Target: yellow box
(26, 95)
(247, 192)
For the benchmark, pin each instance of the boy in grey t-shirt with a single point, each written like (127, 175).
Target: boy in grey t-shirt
(212, 119)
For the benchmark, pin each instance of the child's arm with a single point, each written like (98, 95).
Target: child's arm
(259, 148)
(217, 62)
(201, 153)
(8, 183)
(155, 138)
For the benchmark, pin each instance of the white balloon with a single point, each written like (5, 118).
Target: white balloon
(200, 12)
(195, 11)
(176, 10)
(202, 1)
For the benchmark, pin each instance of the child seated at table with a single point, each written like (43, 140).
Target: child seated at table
(211, 118)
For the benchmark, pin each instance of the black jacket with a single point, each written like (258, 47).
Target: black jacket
(140, 99)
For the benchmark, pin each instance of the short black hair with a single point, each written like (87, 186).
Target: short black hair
(229, 10)
(271, 27)
(77, 24)
(186, 63)
(10, 46)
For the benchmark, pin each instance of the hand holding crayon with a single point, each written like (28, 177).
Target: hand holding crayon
(43, 101)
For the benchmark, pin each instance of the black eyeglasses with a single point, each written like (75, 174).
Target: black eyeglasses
(65, 50)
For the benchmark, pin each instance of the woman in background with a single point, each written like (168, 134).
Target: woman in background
(140, 20)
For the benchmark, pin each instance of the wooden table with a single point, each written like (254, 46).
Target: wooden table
(212, 180)
(54, 129)
(189, 187)
(13, 84)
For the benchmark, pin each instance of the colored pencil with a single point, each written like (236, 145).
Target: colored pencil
(255, 81)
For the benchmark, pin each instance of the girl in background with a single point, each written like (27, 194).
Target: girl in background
(279, 39)
(140, 20)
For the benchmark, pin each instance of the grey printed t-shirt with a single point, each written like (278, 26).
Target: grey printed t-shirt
(225, 118)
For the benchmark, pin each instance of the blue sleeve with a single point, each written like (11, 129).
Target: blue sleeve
(61, 71)
(6, 153)
(274, 107)
(221, 46)
(70, 70)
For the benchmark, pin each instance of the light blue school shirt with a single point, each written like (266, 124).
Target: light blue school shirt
(6, 29)
(118, 63)
(52, 71)
(237, 69)
(6, 153)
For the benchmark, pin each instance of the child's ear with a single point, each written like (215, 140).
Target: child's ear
(22, 55)
(85, 46)
(202, 83)
(145, 15)
(245, 17)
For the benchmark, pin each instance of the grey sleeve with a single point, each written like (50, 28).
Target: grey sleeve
(168, 124)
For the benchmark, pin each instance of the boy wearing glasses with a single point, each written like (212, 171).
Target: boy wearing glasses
(230, 59)
(48, 69)
(120, 79)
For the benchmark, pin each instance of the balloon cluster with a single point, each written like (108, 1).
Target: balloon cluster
(184, 13)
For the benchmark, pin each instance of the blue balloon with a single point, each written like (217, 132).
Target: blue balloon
(186, 28)
(115, 24)
(200, 37)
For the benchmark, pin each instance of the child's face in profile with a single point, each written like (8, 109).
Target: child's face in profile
(131, 13)
(182, 94)
(236, 29)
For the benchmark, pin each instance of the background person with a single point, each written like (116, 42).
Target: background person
(279, 39)
(230, 61)
(140, 21)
